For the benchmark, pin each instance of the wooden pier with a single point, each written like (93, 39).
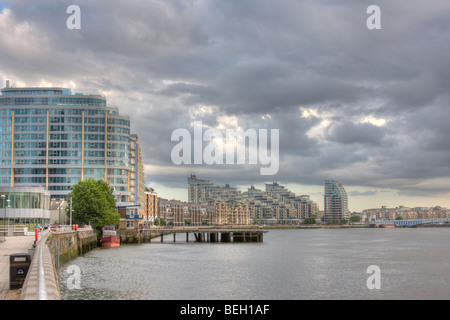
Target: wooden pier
(212, 234)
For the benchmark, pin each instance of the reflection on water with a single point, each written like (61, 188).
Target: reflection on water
(289, 264)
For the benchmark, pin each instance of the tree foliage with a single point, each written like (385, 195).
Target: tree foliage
(355, 219)
(159, 222)
(310, 220)
(93, 202)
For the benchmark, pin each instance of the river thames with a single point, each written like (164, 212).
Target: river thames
(292, 264)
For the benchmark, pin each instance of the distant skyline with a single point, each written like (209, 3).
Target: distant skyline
(367, 108)
(360, 198)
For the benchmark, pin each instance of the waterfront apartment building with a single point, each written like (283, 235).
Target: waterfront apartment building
(231, 213)
(335, 202)
(405, 213)
(275, 205)
(51, 138)
(304, 207)
(179, 213)
(151, 206)
(137, 177)
(204, 191)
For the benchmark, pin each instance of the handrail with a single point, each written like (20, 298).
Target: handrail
(42, 288)
(69, 228)
(41, 285)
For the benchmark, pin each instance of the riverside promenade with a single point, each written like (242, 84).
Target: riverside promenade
(16, 244)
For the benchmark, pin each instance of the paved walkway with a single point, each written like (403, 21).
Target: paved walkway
(17, 244)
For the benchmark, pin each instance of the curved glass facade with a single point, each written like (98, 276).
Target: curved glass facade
(52, 138)
(27, 205)
(26, 199)
(336, 202)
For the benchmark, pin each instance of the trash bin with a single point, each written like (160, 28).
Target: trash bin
(19, 263)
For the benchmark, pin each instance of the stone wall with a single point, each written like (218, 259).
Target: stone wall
(135, 236)
(69, 245)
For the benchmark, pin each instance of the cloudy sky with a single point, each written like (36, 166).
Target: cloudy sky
(368, 108)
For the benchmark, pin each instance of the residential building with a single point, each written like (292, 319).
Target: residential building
(275, 205)
(179, 213)
(51, 138)
(58, 211)
(151, 206)
(335, 202)
(137, 178)
(405, 213)
(24, 205)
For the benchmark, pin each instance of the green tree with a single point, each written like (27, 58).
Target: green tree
(310, 220)
(355, 218)
(159, 222)
(398, 218)
(93, 202)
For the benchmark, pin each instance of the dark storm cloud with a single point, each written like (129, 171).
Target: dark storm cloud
(364, 133)
(167, 63)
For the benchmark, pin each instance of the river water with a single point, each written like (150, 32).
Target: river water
(293, 264)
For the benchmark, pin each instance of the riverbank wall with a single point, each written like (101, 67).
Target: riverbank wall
(53, 250)
(69, 245)
(135, 236)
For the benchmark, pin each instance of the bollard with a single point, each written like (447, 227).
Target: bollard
(35, 237)
(76, 227)
(56, 229)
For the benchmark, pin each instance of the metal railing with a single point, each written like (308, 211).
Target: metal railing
(42, 287)
(70, 228)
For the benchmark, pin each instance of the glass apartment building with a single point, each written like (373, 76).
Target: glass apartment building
(336, 202)
(52, 138)
(26, 205)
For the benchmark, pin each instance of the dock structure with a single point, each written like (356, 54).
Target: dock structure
(211, 234)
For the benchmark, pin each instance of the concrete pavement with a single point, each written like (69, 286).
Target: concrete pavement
(16, 244)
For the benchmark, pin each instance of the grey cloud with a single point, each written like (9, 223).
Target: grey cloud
(160, 60)
(364, 133)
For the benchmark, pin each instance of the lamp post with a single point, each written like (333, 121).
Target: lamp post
(8, 206)
(4, 216)
(70, 210)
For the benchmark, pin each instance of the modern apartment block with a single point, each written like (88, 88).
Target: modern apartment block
(304, 207)
(275, 205)
(177, 213)
(151, 206)
(230, 205)
(137, 177)
(335, 202)
(51, 138)
(202, 191)
(231, 213)
(385, 213)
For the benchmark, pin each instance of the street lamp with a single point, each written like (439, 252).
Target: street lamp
(4, 217)
(8, 206)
